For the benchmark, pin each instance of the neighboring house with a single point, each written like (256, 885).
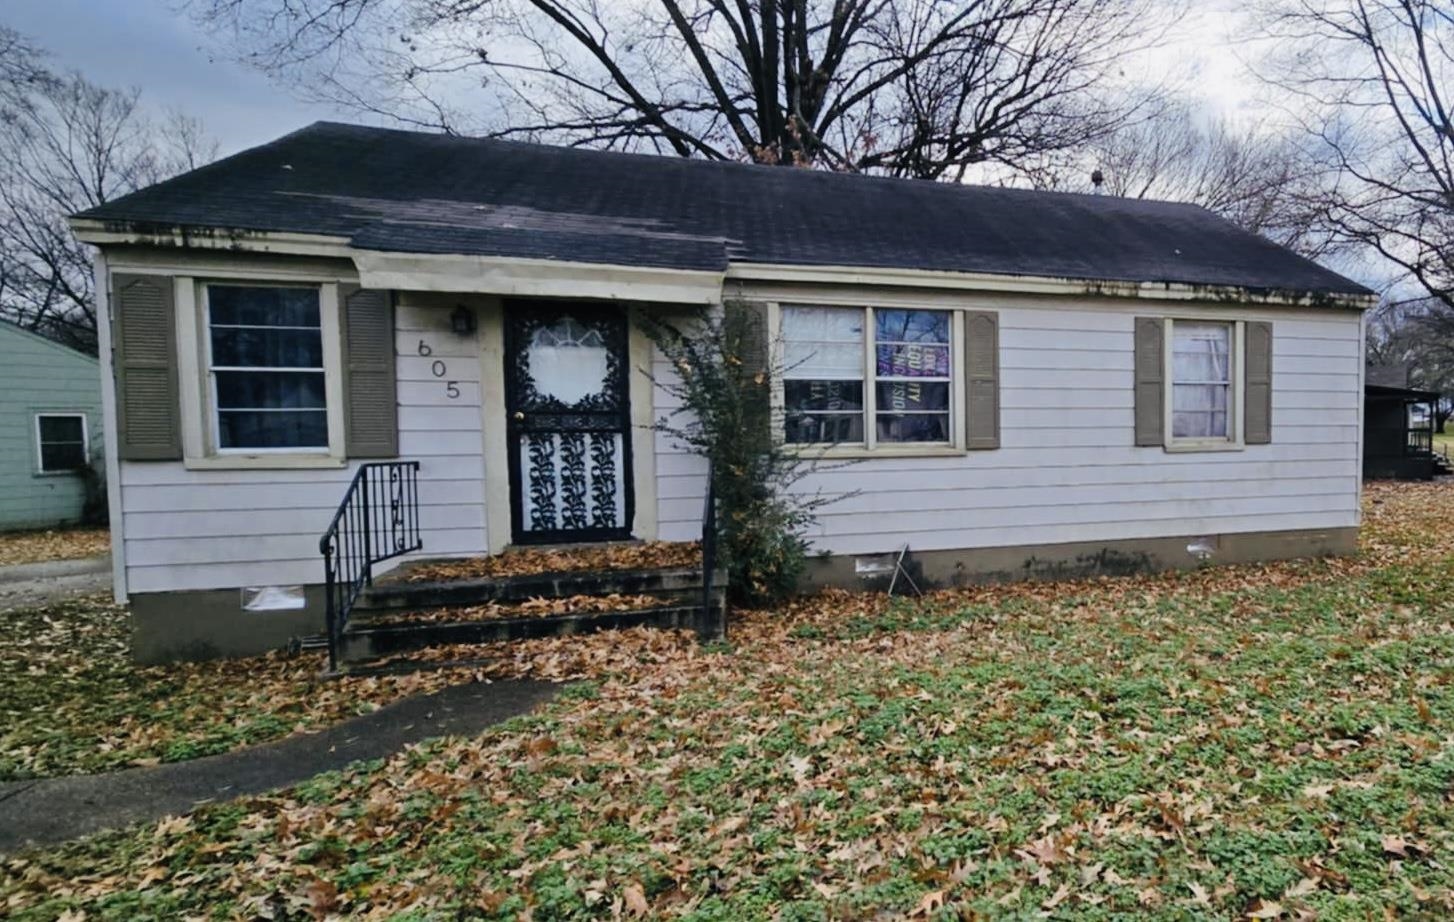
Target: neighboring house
(1398, 427)
(1025, 383)
(50, 431)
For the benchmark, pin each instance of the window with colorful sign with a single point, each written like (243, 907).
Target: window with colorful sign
(844, 367)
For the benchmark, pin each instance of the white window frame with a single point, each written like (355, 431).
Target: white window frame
(40, 455)
(1235, 438)
(871, 445)
(199, 403)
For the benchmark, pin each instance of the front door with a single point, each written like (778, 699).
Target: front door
(568, 420)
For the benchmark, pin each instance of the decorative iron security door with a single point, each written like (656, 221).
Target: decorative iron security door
(568, 422)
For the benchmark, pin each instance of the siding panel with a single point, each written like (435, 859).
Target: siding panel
(39, 376)
(1067, 469)
(183, 526)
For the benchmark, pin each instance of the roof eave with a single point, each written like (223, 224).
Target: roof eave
(440, 272)
(405, 270)
(104, 233)
(1049, 285)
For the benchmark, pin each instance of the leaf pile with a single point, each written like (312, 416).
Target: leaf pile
(584, 559)
(60, 544)
(1240, 742)
(539, 607)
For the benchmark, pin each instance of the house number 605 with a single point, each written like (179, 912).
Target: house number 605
(439, 370)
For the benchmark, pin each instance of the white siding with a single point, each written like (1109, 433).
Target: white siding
(681, 477)
(1067, 471)
(217, 529)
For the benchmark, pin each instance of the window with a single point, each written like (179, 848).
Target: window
(845, 366)
(1201, 381)
(61, 442)
(823, 374)
(266, 368)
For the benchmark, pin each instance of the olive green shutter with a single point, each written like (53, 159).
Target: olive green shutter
(982, 379)
(1150, 380)
(747, 323)
(745, 329)
(370, 399)
(1257, 384)
(144, 355)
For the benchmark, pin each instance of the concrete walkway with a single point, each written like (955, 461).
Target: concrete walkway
(27, 584)
(56, 809)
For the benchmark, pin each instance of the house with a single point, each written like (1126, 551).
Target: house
(1025, 383)
(50, 431)
(1398, 427)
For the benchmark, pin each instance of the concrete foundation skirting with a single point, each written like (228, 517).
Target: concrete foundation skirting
(207, 624)
(211, 623)
(944, 568)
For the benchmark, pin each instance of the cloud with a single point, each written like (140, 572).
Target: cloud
(145, 44)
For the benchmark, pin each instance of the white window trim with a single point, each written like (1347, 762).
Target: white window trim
(871, 446)
(1235, 440)
(40, 470)
(198, 404)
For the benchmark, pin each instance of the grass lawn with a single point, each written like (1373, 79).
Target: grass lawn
(1444, 441)
(1265, 741)
(19, 547)
(72, 702)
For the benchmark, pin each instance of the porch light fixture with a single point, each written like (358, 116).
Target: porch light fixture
(462, 320)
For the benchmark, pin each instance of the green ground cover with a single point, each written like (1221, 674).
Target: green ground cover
(1264, 741)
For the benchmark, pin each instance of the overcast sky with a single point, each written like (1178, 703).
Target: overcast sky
(145, 44)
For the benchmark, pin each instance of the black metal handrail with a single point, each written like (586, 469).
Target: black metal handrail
(714, 619)
(377, 520)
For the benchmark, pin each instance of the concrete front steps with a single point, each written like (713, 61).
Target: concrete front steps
(399, 615)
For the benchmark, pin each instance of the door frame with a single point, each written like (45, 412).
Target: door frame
(626, 479)
(495, 451)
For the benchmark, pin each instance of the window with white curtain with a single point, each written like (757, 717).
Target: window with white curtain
(1201, 380)
(855, 376)
(823, 374)
(265, 349)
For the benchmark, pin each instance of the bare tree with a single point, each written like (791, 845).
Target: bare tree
(1372, 83)
(918, 88)
(67, 145)
(1254, 175)
(20, 66)
(1418, 335)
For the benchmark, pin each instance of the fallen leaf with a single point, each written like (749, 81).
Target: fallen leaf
(930, 902)
(1057, 897)
(635, 899)
(1304, 887)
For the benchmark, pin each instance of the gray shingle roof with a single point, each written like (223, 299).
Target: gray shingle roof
(405, 191)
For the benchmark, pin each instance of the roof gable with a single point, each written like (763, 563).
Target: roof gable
(14, 337)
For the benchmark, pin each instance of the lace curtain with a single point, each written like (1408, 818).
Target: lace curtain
(1201, 380)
